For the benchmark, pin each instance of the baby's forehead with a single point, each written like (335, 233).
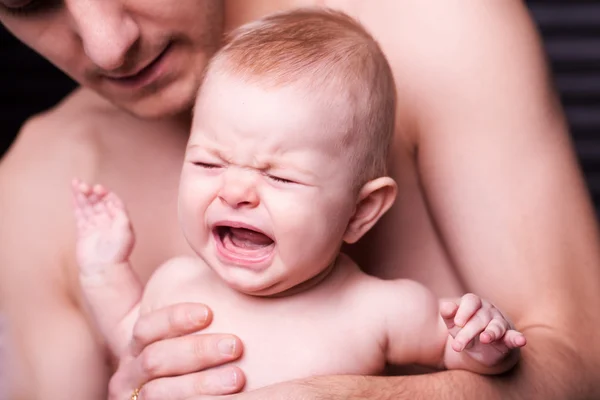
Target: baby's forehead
(325, 140)
(295, 113)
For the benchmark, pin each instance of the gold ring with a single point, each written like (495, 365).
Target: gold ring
(135, 394)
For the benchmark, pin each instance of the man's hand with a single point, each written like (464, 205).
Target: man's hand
(167, 362)
(280, 391)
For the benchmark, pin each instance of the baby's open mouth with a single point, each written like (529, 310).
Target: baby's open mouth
(244, 245)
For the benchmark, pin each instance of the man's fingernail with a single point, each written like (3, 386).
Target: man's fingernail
(203, 315)
(198, 317)
(230, 379)
(227, 346)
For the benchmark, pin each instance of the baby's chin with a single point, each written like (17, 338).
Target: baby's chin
(282, 287)
(252, 283)
(272, 290)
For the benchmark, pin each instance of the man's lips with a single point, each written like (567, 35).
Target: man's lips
(140, 73)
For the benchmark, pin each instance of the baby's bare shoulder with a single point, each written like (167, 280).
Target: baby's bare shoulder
(174, 280)
(177, 271)
(392, 298)
(180, 268)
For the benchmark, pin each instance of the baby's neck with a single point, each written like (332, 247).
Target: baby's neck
(309, 283)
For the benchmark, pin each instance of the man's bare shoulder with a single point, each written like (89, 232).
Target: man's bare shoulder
(60, 141)
(35, 177)
(451, 56)
(36, 240)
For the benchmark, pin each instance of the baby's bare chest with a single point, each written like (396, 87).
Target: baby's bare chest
(283, 343)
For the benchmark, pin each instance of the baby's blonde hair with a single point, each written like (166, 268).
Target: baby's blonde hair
(323, 50)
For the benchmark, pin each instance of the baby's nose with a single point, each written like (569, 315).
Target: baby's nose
(239, 192)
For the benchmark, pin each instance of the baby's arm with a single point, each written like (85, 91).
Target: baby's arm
(417, 333)
(105, 240)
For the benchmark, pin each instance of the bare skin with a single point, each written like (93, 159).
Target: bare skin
(4, 357)
(491, 201)
(302, 323)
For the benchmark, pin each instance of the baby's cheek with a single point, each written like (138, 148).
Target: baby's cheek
(192, 225)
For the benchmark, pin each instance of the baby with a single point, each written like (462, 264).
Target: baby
(286, 161)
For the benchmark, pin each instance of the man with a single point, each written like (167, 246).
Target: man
(491, 199)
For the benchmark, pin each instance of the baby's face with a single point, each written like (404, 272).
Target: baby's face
(265, 193)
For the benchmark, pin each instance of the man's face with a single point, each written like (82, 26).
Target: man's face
(265, 193)
(146, 56)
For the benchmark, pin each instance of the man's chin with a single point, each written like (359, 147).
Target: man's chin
(174, 100)
(157, 108)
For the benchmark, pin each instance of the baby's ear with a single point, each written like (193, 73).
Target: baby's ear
(374, 199)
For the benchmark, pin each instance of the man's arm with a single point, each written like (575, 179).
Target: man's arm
(502, 185)
(524, 382)
(54, 354)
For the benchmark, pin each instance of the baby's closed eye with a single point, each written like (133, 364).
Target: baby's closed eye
(280, 179)
(206, 165)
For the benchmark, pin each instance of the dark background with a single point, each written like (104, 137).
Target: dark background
(571, 32)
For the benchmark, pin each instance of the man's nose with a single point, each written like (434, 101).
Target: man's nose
(106, 30)
(239, 190)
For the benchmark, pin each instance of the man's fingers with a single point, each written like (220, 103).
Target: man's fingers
(181, 356)
(214, 382)
(186, 354)
(172, 321)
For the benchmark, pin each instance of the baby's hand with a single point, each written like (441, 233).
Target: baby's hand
(480, 329)
(104, 233)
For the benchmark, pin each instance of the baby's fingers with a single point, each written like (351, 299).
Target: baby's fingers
(448, 312)
(514, 339)
(469, 305)
(471, 330)
(495, 329)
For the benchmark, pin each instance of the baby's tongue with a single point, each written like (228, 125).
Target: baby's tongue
(248, 239)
